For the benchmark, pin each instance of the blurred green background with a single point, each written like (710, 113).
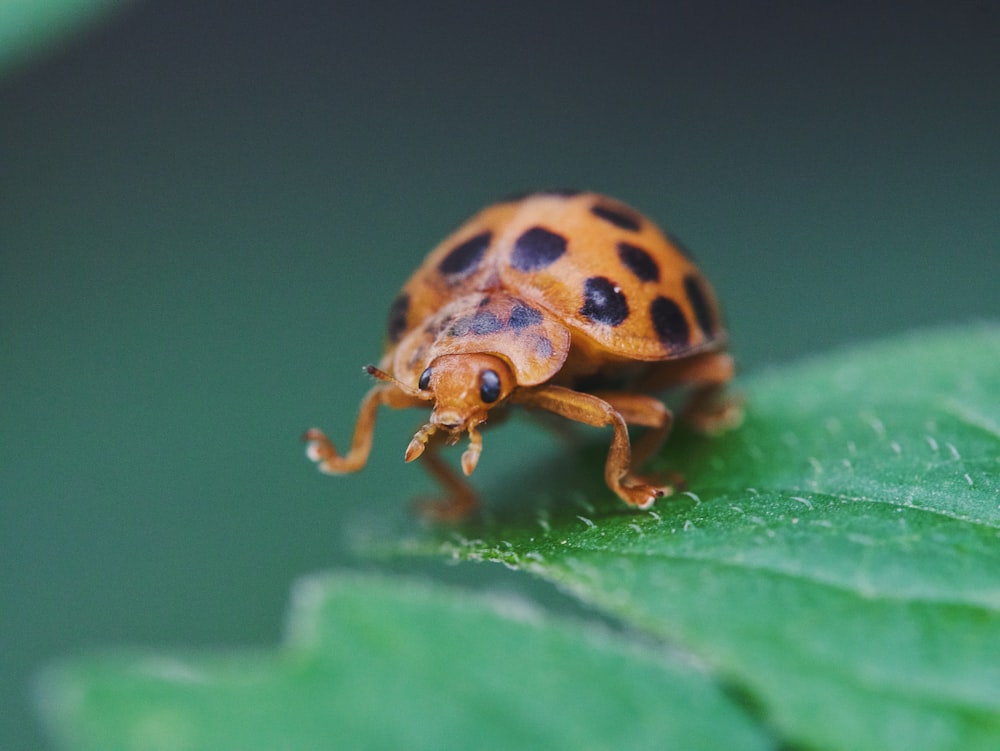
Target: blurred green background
(206, 208)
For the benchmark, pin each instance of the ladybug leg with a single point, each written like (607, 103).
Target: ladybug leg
(459, 500)
(709, 409)
(593, 410)
(322, 451)
(644, 411)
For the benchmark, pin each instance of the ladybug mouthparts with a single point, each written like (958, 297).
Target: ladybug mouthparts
(450, 420)
(470, 457)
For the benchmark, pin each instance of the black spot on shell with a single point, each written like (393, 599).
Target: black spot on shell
(542, 346)
(397, 316)
(639, 262)
(620, 217)
(536, 249)
(669, 322)
(695, 291)
(465, 257)
(436, 326)
(479, 324)
(484, 323)
(603, 301)
(521, 317)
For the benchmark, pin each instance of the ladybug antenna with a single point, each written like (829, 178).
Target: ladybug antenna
(383, 376)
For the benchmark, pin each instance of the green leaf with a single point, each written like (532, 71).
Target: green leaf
(377, 663)
(839, 558)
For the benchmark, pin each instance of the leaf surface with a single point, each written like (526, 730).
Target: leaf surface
(379, 663)
(839, 558)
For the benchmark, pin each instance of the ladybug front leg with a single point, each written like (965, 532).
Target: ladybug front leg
(593, 410)
(321, 450)
(645, 411)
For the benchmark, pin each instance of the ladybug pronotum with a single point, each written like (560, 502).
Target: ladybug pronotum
(564, 301)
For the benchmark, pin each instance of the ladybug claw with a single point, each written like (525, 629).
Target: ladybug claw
(320, 450)
(314, 452)
(643, 496)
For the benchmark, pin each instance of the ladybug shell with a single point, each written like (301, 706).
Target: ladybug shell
(534, 343)
(531, 266)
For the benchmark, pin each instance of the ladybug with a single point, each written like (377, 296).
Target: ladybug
(564, 301)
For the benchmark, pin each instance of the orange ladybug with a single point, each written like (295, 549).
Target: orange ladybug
(564, 301)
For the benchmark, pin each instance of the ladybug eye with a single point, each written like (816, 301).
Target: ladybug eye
(425, 380)
(489, 386)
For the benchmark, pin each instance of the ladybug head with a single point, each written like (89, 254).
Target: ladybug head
(464, 388)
